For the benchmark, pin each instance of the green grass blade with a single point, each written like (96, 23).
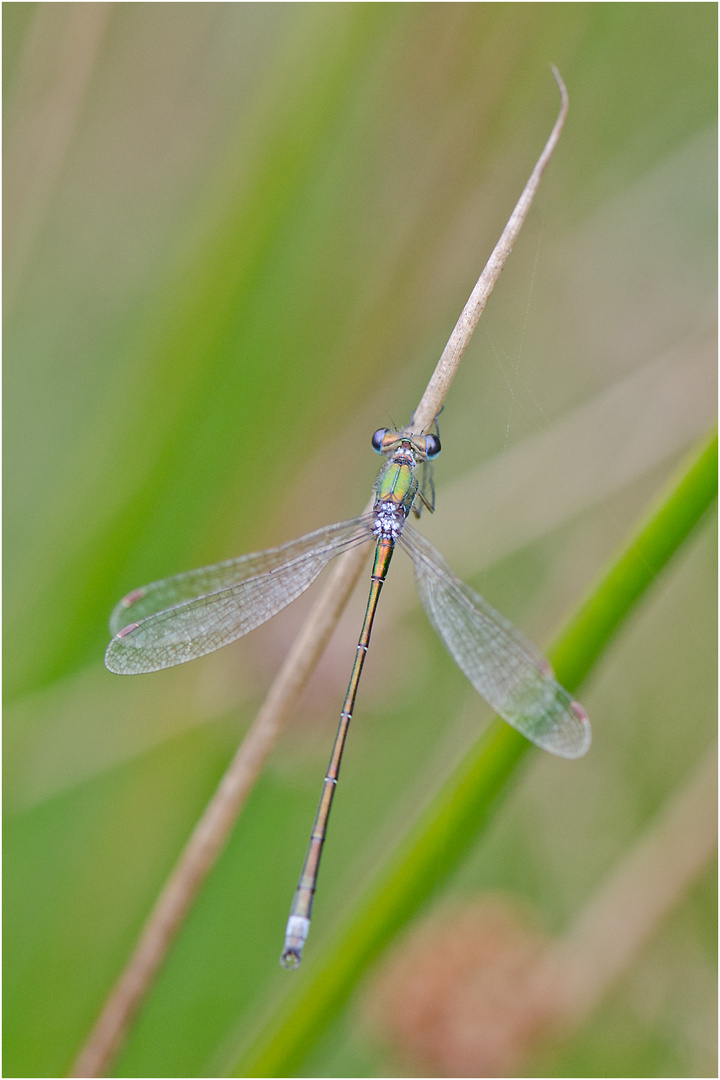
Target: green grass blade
(455, 818)
(667, 525)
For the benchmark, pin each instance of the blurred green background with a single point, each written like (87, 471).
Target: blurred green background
(237, 237)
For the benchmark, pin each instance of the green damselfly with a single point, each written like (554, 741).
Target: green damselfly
(191, 614)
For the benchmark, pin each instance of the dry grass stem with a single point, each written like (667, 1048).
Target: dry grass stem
(213, 828)
(434, 397)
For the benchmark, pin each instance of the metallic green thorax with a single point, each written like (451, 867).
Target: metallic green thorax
(398, 484)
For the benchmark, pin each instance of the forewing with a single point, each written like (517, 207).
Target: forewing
(180, 618)
(499, 661)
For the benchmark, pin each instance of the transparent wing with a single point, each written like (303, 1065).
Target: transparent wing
(169, 622)
(499, 661)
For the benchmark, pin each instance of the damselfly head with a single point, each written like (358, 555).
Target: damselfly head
(425, 447)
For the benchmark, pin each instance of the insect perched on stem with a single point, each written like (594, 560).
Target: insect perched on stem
(191, 614)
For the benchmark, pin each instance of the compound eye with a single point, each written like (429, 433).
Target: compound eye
(432, 447)
(378, 439)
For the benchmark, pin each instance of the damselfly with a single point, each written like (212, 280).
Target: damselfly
(191, 614)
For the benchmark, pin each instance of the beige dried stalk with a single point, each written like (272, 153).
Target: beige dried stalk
(213, 829)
